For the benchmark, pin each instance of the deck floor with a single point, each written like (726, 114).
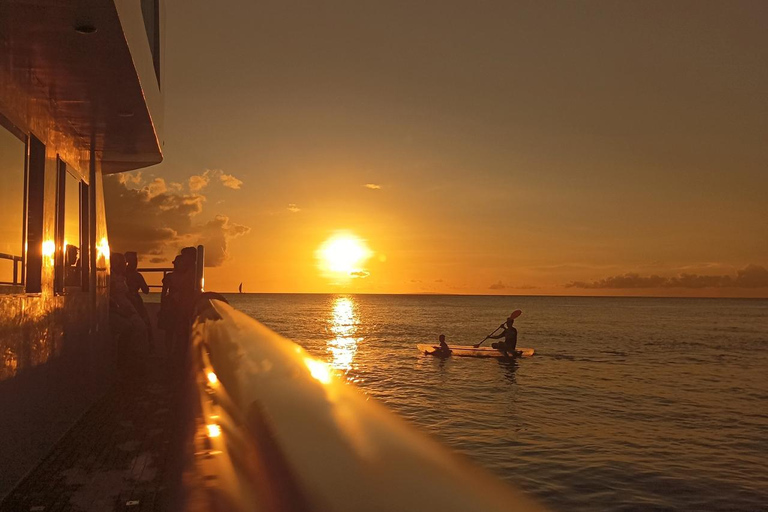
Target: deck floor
(124, 454)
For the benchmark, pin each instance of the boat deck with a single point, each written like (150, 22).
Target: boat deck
(125, 452)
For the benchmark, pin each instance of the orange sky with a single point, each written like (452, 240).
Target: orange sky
(514, 147)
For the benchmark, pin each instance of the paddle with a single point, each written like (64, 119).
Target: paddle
(494, 332)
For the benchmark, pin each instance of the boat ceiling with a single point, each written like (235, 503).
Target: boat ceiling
(54, 78)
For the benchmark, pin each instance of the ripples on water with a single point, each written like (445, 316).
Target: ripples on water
(628, 404)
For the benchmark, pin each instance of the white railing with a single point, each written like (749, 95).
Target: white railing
(277, 430)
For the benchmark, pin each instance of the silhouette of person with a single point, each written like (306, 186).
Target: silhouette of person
(444, 350)
(178, 299)
(124, 320)
(72, 276)
(510, 338)
(136, 283)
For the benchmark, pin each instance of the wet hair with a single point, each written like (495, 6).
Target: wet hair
(441, 337)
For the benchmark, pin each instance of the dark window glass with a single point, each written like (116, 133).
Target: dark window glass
(36, 246)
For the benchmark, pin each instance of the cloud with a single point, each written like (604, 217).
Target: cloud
(359, 274)
(156, 220)
(230, 181)
(751, 276)
(497, 286)
(293, 208)
(215, 236)
(372, 186)
(130, 178)
(198, 182)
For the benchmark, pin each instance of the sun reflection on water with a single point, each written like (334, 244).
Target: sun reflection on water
(343, 325)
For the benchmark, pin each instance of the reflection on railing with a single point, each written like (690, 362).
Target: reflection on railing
(16, 260)
(343, 324)
(278, 430)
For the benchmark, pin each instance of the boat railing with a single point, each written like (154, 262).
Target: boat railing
(150, 270)
(277, 429)
(199, 270)
(16, 261)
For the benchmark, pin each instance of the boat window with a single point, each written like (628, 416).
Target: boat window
(12, 156)
(69, 209)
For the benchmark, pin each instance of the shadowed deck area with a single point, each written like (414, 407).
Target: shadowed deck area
(125, 453)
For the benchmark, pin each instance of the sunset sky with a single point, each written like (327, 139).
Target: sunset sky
(496, 147)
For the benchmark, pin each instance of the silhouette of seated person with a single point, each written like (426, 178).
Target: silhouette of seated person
(125, 322)
(443, 350)
(136, 283)
(72, 274)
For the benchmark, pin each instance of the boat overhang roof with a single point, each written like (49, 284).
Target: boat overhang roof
(56, 78)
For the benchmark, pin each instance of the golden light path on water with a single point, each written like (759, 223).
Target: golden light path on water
(343, 324)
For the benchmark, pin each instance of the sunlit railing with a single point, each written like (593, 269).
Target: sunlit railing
(278, 430)
(16, 261)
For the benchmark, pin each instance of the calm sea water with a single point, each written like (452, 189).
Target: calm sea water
(629, 403)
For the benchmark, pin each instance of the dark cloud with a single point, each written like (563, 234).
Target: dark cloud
(751, 276)
(157, 260)
(156, 221)
(215, 235)
(360, 274)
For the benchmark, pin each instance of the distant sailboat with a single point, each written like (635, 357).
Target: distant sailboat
(240, 288)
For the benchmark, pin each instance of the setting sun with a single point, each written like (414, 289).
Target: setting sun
(343, 253)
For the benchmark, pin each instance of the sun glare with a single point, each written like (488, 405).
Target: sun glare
(343, 254)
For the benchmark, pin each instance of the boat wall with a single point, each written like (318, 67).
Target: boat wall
(77, 98)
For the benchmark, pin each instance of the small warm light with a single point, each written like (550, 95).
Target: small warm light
(213, 430)
(49, 249)
(212, 378)
(102, 248)
(318, 370)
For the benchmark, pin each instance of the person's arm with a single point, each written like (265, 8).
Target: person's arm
(499, 336)
(143, 284)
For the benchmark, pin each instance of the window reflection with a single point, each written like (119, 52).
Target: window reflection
(72, 209)
(11, 207)
(343, 324)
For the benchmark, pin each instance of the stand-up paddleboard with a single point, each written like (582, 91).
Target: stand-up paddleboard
(469, 351)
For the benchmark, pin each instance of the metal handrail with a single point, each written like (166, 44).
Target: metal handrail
(282, 432)
(16, 264)
(164, 270)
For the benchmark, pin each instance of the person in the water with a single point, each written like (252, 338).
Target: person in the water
(509, 334)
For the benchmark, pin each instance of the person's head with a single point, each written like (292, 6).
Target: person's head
(71, 255)
(189, 254)
(442, 338)
(117, 263)
(177, 263)
(131, 260)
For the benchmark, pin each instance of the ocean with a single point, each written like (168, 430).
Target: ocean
(628, 404)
